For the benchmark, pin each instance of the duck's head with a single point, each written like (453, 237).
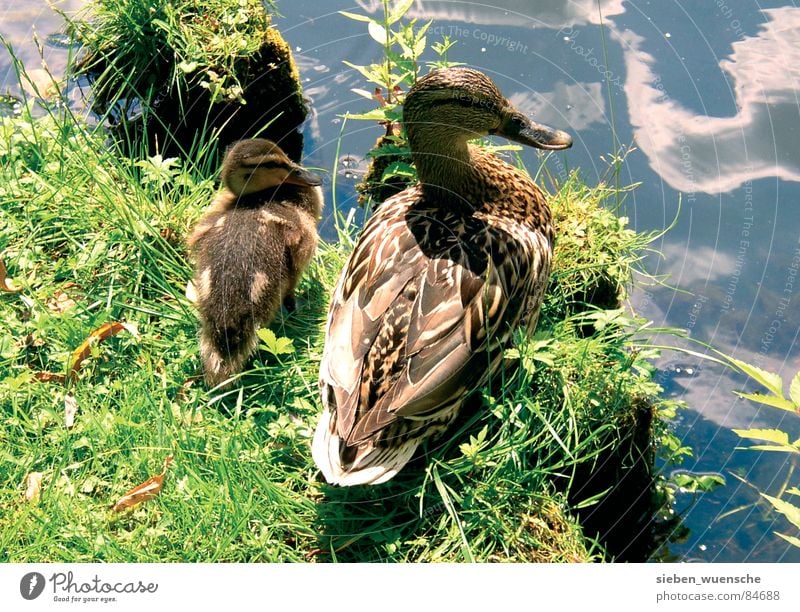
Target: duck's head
(455, 104)
(257, 164)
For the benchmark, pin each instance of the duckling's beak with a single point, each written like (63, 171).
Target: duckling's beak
(519, 128)
(301, 176)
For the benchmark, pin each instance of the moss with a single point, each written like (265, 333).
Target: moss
(595, 251)
(203, 78)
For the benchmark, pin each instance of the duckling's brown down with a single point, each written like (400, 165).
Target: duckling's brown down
(250, 249)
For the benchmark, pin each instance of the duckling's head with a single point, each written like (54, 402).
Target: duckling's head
(456, 104)
(257, 164)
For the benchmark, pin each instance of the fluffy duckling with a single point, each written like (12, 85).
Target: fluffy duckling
(250, 249)
(442, 275)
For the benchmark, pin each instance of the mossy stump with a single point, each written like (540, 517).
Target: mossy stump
(274, 108)
(176, 114)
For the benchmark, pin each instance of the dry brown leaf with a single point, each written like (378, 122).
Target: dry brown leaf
(30, 341)
(5, 282)
(49, 377)
(70, 408)
(101, 333)
(33, 486)
(145, 491)
(60, 302)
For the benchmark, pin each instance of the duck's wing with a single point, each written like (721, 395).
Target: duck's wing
(409, 324)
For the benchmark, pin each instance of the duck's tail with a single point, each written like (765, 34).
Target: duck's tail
(368, 465)
(225, 353)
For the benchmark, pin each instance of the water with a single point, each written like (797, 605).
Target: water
(707, 94)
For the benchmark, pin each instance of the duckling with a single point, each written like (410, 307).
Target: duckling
(441, 276)
(250, 249)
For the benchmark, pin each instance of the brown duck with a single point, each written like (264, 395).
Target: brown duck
(250, 249)
(441, 276)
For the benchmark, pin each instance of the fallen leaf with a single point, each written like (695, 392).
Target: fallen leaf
(33, 484)
(183, 392)
(70, 408)
(5, 282)
(145, 491)
(60, 302)
(29, 341)
(101, 333)
(49, 377)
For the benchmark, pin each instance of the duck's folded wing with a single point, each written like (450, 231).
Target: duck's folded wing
(449, 308)
(455, 314)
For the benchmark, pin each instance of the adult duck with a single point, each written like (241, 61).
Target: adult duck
(441, 276)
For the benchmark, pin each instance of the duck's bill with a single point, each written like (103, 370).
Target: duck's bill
(301, 176)
(537, 135)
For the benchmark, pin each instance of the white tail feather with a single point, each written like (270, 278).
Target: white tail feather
(372, 467)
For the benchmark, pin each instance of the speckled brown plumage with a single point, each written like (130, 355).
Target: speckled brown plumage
(440, 278)
(250, 249)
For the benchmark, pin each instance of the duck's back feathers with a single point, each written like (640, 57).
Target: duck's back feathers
(416, 322)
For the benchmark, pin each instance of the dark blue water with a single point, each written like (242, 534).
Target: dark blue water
(705, 96)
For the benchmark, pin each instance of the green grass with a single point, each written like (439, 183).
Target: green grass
(92, 237)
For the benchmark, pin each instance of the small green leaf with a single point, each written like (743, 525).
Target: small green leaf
(774, 449)
(604, 318)
(400, 9)
(284, 346)
(355, 16)
(379, 34)
(768, 400)
(771, 381)
(767, 435)
(790, 511)
(372, 75)
(273, 344)
(399, 168)
(377, 114)
(267, 336)
(791, 539)
(794, 391)
(188, 67)
(419, 46)
(694, 482)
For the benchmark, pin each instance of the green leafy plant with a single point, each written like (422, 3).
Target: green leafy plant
(274, 345)
(403, 45)
(774, 440)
